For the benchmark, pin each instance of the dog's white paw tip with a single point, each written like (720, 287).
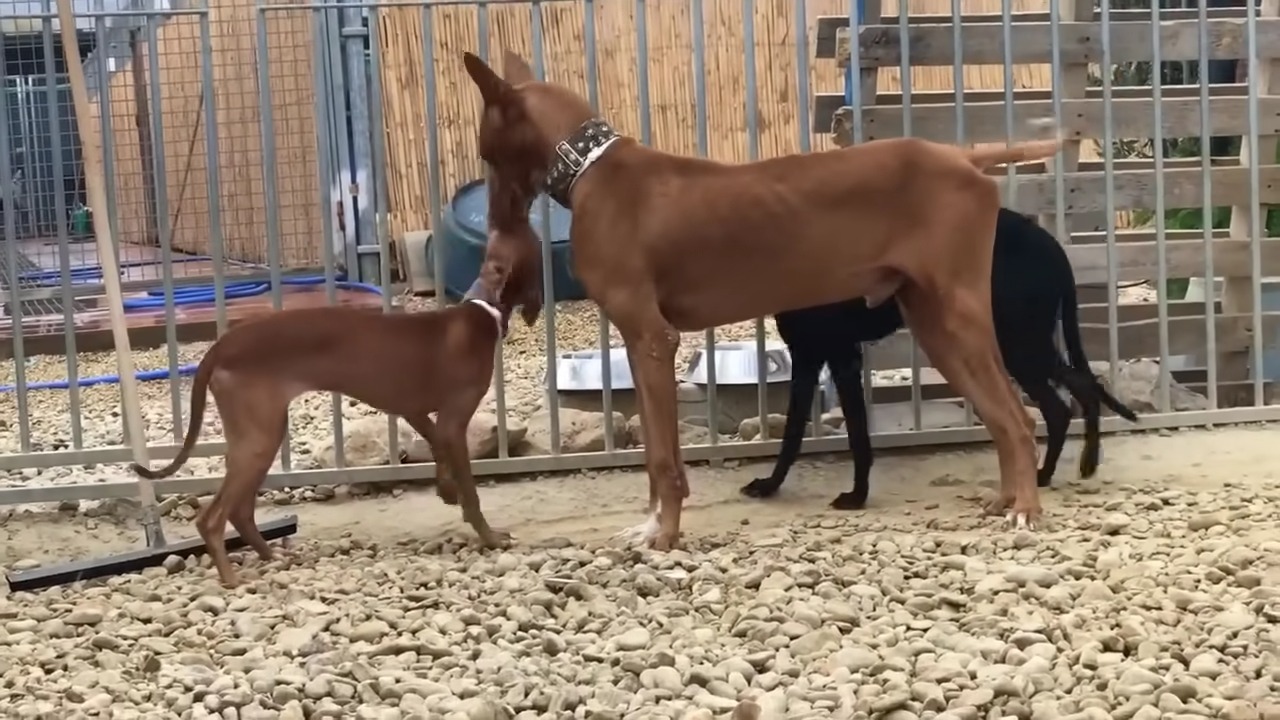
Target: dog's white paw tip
(1019, 521)
(643, 532)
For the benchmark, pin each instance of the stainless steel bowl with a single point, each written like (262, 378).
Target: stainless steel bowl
(737, 363)
(580, 370)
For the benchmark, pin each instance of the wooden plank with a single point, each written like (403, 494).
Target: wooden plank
(830, 26)
(1081, 119)
(1184, 258)
(1183, 188)
(1137, 339)
(1097, 313)
(827, 105)
(1079, 42)
(1075, 83)
(1138, 235)
(1131, 163)
(1194, 380)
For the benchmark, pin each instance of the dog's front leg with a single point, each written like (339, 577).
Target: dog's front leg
(651, 351)
(452, 445)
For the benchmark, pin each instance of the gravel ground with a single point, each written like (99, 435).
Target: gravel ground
(1153, 591)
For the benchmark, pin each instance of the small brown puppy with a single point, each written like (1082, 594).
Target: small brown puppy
(409, 365)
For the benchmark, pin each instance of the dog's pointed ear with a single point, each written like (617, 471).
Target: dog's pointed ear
(515, 69)
(492, 88)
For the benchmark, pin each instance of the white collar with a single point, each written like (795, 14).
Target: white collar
(595, 154)
(493, 311)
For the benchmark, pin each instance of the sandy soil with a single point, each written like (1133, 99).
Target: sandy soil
(938, 490)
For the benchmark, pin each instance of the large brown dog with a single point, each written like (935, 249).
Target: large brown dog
(409, 365)
(665, 243)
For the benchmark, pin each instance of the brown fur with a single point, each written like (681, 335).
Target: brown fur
(411, 365)
(513, 255)
(665, 243)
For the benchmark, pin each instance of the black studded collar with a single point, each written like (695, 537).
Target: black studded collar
(575, 154)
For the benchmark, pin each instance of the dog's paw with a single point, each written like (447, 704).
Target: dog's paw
(760, 488)
(497, 539)
(1020, 520)
(849, 501)
(644, 533)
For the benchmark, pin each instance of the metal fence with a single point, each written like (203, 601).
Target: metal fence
(59, 417)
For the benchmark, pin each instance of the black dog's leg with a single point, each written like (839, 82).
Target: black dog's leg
(804, 382)
(1084, 388)
(846, 372)
(1057, 418)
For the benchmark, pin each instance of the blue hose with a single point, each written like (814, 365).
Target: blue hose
(186, 295)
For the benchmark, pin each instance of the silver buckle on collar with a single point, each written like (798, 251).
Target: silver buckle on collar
(570, 156)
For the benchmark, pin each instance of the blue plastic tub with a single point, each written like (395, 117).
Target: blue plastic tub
(464, 233)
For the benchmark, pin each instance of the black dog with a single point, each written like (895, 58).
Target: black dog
(1032, 283)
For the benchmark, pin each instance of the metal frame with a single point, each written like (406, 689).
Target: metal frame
(341, 82)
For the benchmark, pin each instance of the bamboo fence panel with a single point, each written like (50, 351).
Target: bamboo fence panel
(242, 194)
(670, 102)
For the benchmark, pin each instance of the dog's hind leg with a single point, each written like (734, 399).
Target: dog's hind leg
(805, 369)
(957, 334)
(651, 350)
(257, 465)
(1084, 388)
(846, 373)
(253, 438)
(1057, 418)
(446, 488)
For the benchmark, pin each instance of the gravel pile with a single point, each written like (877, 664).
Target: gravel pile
(1142, 604)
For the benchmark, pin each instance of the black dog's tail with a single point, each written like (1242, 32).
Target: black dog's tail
(1075, 352)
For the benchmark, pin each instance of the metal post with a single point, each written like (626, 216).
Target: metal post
(92, 148)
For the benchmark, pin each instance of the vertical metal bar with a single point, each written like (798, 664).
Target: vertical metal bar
(108, 141)
(1109, 180)
(904, 70)
(212, 175)
(499, 367)
(548, 287)
(163, 226)
(362, 131)
(324, 166)
(378, 199)
(1157, 152)
(434, 196)
(1059, 182)
(957, 80)
(1206, 209)
(108, 160)
(267, 121)
(697, 16)
(752, 110)
(499, 372)
(855, 79)
(64, 244)
(1256, 229)
(13, 281)
(331, 49)
(593, 97)
(1006, 33)
(800, 23)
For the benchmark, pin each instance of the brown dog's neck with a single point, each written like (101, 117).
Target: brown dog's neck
(574, 155)
(509, 202)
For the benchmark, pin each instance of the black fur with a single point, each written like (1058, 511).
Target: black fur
(1031, 281)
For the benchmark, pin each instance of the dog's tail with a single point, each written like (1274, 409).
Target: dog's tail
(1075, 353)
(983, 158)
(199, 397)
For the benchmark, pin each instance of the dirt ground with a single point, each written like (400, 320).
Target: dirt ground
(938, 490)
